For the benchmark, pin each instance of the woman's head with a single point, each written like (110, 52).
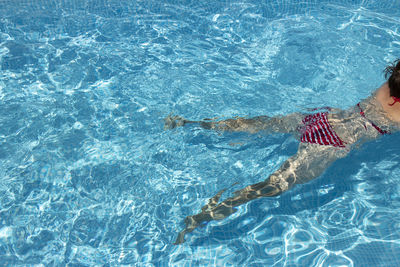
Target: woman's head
(393, 72)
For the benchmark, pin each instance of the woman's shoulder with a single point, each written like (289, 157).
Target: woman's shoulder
(374, 108)
(382, 94)
(385, 101)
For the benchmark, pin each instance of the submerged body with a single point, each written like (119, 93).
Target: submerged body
(324, 137)
(365, 121)
(369, 119)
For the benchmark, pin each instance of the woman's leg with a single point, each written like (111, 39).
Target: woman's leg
(284, 124)
(309, 162)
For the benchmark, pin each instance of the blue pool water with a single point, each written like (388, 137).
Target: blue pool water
(90, 178)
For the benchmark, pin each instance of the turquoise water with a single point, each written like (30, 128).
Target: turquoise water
(90, 178)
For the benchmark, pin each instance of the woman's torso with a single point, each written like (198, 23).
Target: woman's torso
(354, 127)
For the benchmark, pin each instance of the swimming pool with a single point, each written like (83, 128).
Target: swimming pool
(90, 178)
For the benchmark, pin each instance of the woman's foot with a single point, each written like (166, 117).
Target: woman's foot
(172, 122)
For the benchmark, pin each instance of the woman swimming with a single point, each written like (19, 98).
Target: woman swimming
(324, 137)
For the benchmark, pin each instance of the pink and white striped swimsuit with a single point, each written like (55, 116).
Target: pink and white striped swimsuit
(317, 130)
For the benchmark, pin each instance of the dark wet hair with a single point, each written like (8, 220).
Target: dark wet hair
(393, 72)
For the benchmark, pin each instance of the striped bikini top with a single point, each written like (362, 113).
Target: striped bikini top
(372, 123)
(395, 99)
